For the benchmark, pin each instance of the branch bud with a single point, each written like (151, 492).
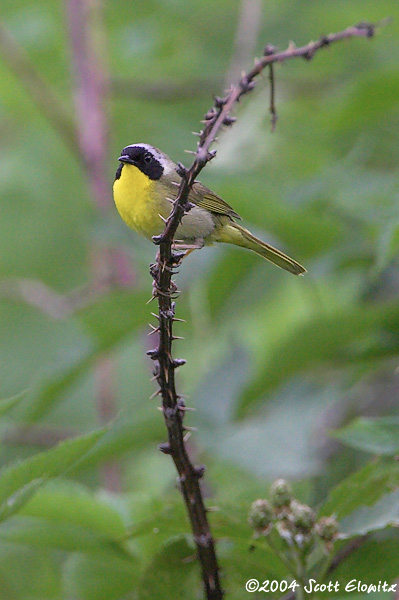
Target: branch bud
(181, 169)
(153, 353)
(369, 27)
(229, 121)
(269, 50)
(219, 102)
(165, 448)
(178, 362)
(199, 471)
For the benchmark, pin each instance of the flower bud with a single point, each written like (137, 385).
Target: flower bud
(327, 528)
(303, 517)
(280, 493)
(260, 515)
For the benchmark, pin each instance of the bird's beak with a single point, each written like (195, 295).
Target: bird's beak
(126, 159)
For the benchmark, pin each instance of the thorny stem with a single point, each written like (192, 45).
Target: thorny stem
(164, 289)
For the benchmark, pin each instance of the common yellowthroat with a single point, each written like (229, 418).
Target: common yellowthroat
(146, 182)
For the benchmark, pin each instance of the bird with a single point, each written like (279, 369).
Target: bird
(145, 186)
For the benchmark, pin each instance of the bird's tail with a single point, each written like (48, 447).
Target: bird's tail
(233, 233)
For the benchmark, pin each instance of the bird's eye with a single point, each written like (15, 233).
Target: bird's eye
(147, 157)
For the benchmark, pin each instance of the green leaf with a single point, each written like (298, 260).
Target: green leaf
(378, 435)
(359, 333)
(108, 322)
(363, 488)
(375, 561)
(28, 573)
(68, 502)
(365, 519)
(42, 466)
(7, 404)
(20, 498)
(115, 316)
(100, 577)
(44, 534)
(170, 574)
(123, 435)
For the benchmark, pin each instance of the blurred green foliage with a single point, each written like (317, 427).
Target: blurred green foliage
(274, 362)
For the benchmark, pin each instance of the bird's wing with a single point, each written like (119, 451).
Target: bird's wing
(205, 198)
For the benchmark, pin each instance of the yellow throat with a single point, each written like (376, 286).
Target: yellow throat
(138, 201)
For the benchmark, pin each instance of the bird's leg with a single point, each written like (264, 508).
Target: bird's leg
(182, 246)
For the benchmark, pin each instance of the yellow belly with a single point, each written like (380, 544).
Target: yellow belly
(137, 202)
(140, 201)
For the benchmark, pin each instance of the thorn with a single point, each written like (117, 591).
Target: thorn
(177, 337)
(155, 315)
(171, 200)
(187, 428)
(151, 299)
(209, 115)
(162, 218)
(155, 394)
(154, 329)
(175, 183)
(160, 408)
(179, 320)
(154, 378)
(198, 133)
(190, 152)
(187, 436)
(187, 408)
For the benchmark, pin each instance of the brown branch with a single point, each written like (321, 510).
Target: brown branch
(164, 289)
(86, 34)
(46, 299)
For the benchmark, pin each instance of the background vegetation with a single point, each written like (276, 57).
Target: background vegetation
(290, 377)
